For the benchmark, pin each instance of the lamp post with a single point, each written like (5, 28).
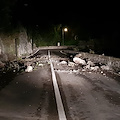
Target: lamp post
(63, 34)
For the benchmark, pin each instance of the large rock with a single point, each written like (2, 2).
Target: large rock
(29, 69)
(71, 64)
(104, 67)
(90, 63)
(79, 61)
(94, 68)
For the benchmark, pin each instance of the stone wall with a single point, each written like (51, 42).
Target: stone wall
(24, 45)
(6, 47)
(14, 45)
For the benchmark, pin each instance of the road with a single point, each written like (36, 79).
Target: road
(85, 95)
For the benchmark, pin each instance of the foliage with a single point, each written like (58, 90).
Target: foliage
(48, 37)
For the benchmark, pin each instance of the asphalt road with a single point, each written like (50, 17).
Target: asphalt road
(30, 96)
(85, 95)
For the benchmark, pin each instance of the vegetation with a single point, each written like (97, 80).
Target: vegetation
(48, 37)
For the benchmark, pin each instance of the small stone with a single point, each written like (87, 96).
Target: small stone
(75, 71)
(95, 68)
(40, 65)
(71, 64)
(78, 55)
(62, 63)
(83, 70)
(90, 63)
(104, 74)
(29, 69)
(14, 70)
(16, 82)
(103, 67)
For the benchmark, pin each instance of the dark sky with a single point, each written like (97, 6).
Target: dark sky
(92, 17)
(96, 19)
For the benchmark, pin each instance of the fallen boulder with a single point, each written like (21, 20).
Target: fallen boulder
(79, 61)
(62, 63)
(90, 63)
(104, 67)
(29, 69)
(94, 68)
(71, 64)
(40, 65)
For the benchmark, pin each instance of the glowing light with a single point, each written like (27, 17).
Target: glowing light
(65, 29)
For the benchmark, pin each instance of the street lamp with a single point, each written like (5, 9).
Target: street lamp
(63, 34)
(65, 29)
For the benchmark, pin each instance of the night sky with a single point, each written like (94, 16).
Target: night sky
(86, 19)
(96, 19)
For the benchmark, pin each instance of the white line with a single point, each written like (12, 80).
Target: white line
(61, 111)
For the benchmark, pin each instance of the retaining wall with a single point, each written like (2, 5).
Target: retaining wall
(14, 45)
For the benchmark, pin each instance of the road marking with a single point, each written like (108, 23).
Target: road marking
(60, 108)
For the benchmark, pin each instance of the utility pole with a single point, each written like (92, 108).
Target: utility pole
(63, 35)
(16, 44)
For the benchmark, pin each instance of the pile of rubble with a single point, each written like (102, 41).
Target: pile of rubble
(9, 69)
(13, 66)
(89, 65)
(18, 66)
(86, 64)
